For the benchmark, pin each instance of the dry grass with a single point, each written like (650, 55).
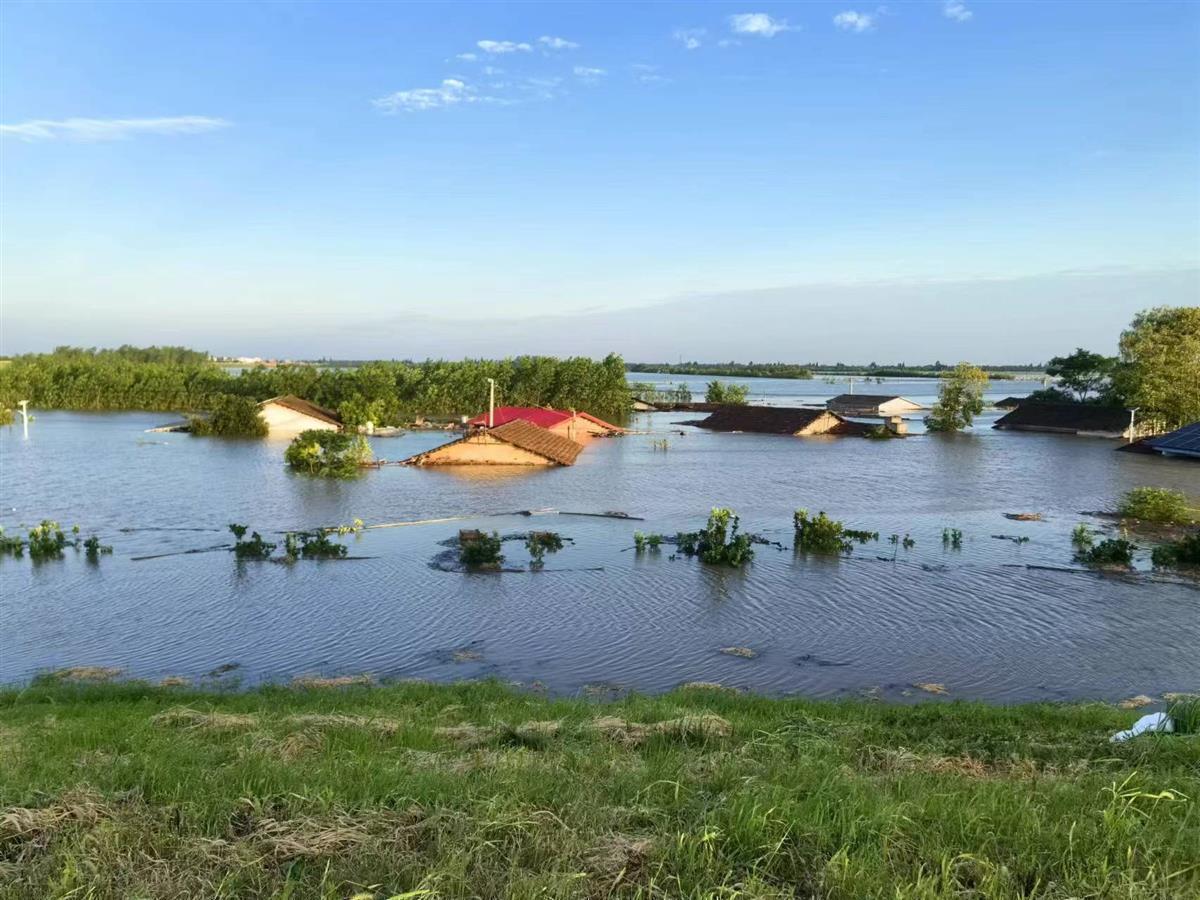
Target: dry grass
(702, 726)
(36, 824)
(1136, 702)
(195, 719)
(175, 681)
(94, 674)
(376, 724)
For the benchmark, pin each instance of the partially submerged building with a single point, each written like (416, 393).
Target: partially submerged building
(515, 443)
(1183, 442)
(291, 415)
(571, 425)
(800, 421)
(1086, 419)
(882, 406)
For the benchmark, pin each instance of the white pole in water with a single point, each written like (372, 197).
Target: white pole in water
(491, 402)
(1132, 413)
(24, 404)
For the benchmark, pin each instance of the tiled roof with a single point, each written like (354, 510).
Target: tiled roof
(536, 415)
(530, 437)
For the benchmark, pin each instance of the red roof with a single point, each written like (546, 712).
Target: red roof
(543, 418)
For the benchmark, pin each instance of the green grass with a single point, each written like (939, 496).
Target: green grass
(124, 791)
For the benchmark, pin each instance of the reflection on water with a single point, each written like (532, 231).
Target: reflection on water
(975, 619)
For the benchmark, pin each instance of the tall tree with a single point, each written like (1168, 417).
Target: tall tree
(960, 399)
(1159, 369)
(1083, 373)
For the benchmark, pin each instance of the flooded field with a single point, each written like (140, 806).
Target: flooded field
(600, 617)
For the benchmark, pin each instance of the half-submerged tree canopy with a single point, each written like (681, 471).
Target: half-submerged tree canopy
(1159, 368)
(235, 417)
(960, 399)
(328, 454)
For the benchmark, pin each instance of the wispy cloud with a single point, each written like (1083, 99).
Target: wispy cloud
(956, 10)
(691, 38)
(854, 21)
(468, 57)
(109, 129)
(503, 46)
(451, 92)
(557, 43)
(589, 72)
(759, 24)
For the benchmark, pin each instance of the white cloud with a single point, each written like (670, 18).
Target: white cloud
(691, 38)
(557, 43)
(758, 24)
(109, 129)
(503, 47)
(450, 92)
(854, 21)
(492, 70)
(468, 57)
(589, 72)
(956, 10)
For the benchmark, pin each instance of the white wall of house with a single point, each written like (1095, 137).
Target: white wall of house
(283, 421)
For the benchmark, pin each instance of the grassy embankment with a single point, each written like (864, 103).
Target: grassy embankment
(125, 790)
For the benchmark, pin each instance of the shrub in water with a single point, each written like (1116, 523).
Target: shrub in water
(13, 546)
(1112, 553)
(46, 541)
(94, 549)
(1181, 554)
(539, 543)
(1082, 536)
(255, 548)
(312, 545)
(231, 416)
(1158, 505)
(822, 534)
(328, 454)
(719, 543)
(952, 537)
(480, 551)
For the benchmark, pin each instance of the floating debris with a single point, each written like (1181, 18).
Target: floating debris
(809, 658)
(1024, 517)
(931, 687)
(1136, 702)
(743, 652)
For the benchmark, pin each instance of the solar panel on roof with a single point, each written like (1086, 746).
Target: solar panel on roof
(1183, 440)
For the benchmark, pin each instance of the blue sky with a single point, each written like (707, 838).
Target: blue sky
(252, 178)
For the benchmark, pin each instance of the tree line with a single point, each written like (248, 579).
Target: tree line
(386, 393)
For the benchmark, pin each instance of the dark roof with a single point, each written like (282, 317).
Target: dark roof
(763, 419)
(867, 399)
(1185, 440)
(1009, 402)
(545, 443)
(304, 407)
(1066, 417)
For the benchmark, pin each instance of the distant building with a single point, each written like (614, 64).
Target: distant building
(515, 443)
(571, 425)
(1183, 441)
(291, 415)
(1086, 419)
(872, 405)
(801, 421)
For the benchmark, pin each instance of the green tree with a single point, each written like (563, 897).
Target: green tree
(726, 393)
(236, 417)
(1159, 368)
(960, 399)
(1083, 373)
(328, 454)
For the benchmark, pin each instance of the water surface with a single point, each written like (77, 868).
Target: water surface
(976, 619)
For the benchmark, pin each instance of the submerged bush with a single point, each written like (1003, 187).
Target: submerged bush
(312, 545)
(1159, 505)
(255, 548)
(1112, 553)
(952, 537)
(94, 549)
(539, 543)
(1181, 554)
(643, 542)
(328, 454)
(11, 545)
(727, 393)
(46, 541)
(719, 543)
(825, 535)
(235, 417)
(1082, 536)
(480, 551)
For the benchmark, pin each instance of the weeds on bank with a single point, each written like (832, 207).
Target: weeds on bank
(1158, 505)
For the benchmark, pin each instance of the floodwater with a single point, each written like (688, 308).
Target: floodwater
(600, 617)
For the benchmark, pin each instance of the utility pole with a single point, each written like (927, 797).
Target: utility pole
(1132, 413)
(491, 402)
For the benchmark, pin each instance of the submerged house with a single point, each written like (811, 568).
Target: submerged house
(1086, 419)
(1184, 442)
(515, 443)
(291, 415)
(571, 425)
(800, 421)
(872, 405)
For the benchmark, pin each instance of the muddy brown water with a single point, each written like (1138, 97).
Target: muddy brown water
(976, 619)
